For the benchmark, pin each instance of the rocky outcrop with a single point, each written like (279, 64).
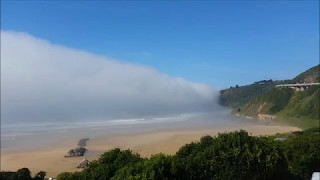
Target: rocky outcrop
(79, 151)
(83, 164)
(76, 152)
(266, 116)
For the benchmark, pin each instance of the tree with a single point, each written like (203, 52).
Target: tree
(229, 156)
(64, 176)
(23, 174)
(40, 175)
(7, 175)
(158, 167)
(302, 152)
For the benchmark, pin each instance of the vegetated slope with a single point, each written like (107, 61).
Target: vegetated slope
(309, 76)
(287, 101)
(304, 104)
(238, 96)
(269, 102)
(235, 155)
(299, 108)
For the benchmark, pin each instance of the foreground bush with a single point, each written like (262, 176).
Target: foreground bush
(303, 153)
(21, 174)
(232, 155)
(235, 155)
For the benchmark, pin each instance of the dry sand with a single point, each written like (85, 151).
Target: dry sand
(51, 159)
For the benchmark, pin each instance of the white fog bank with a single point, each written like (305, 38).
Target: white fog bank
(41, 81)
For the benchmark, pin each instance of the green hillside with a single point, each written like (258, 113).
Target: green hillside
(238, 96)
(290, 106)
(304, 104)
(297, 108)
(309, 76)
(269, 102)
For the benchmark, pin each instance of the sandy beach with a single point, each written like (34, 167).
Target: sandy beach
(51, 159)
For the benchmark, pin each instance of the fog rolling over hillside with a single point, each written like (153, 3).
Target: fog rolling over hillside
(46, 82)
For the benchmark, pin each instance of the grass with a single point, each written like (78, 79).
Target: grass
(304, 104)
(237, 97)
(303, 123)
(311, 75)
(301, 109)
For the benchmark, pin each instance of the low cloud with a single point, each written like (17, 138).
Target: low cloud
(41, 81)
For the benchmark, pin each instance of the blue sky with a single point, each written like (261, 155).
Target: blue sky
(217, 43)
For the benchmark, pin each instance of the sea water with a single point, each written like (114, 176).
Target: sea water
(32, 135)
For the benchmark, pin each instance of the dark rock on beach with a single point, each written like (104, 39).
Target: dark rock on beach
(79, 151)
(76, 152)
(83, 164)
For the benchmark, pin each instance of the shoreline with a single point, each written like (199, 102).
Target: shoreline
(51, 158)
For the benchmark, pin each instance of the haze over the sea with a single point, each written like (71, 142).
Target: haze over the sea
(55, 91)
(46, 82)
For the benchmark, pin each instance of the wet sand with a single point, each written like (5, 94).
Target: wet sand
(51, 159)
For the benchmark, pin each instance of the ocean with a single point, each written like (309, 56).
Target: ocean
(32, 135)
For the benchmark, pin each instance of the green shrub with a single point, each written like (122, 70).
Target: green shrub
(303, 153)
(235, 155)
